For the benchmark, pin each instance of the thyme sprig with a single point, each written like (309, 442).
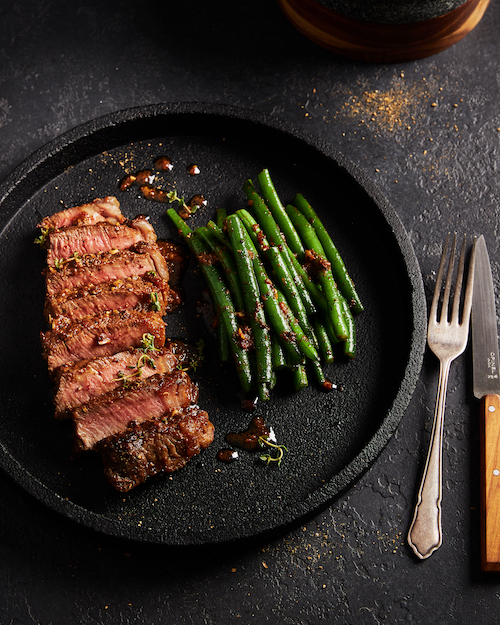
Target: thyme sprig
(60, 262)
(44, 233)
(155, 302)
(185, 210)
(277, 451)
(147, 345)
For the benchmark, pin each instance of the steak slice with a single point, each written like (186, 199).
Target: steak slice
(152, 398)
(156, 446)
(100, 335)
(87, 379)
(105, 209)
(76, 241)
(141, 259)
(133, 293)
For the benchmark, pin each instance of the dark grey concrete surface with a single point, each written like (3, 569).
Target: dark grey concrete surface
(427, 133)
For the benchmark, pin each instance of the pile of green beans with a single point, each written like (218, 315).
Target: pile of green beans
(275, 313)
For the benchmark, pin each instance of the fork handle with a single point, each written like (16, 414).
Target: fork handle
(425, 534)
(490, 482)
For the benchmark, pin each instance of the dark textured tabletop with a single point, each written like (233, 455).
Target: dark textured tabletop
(427, 134)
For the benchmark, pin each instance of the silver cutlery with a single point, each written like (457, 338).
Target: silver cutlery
(447, 338)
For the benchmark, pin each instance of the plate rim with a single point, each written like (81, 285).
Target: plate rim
(363, 461)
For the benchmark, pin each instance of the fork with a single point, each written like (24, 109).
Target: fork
(447, 338)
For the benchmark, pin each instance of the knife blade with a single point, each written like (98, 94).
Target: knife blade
(486, 387)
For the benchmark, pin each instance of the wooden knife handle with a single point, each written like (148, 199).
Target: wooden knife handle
(490, 482)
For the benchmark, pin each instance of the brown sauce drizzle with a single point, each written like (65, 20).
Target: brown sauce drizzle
(153, 193)
(143, 177)
(227, 455)
(163, 163)
(193, 169)
(248, 440)
(197, 201)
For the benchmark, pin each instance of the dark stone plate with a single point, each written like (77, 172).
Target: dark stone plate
(331, 438)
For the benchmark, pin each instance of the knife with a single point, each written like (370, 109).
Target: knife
(486, 386)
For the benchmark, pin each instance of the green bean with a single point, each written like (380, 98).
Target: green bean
(226, 260)
(326, 322)
(303, 342)
(275, 257)
(299, 377)
(325, 276)
(218, 232)
(222, 340)
(307, 300)
(350, 344)
(269, 295)
(277, 209)
(263, 215)
(344, 281)
(278, 228)
(221, 298)
(251, 295)
(278, 356)
(313, 289)
(220, 216)
(287, 285)
(325, 345)
(319, 373)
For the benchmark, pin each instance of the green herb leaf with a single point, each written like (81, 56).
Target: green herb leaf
(277, 451)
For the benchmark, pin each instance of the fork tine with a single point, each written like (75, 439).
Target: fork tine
(469, 286)
(458, 285)
(439, 279)
(449, 275)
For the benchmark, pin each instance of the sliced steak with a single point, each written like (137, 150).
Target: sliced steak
(152, 398)
(155, 446)
(79, 383)
(130, 294)
(142, 259)
(100, 335)
(76, 241)
(106, 209)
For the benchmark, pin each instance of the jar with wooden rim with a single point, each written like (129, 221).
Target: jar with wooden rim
(385, 31)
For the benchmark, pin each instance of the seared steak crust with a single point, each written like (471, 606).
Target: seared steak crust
(76, 241)
(99, 335)
(152, 398)
(92, 269)
(133, 293)
(155, 446)
(87, 379)
(105, 209)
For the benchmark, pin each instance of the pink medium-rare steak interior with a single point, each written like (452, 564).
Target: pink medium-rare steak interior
(95, 238)
(152, 398)
(100, 335)
(133, 293)
(92, 269)
(105, 209)
(87, 379)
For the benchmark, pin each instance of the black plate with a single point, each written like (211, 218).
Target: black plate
(331, 438)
